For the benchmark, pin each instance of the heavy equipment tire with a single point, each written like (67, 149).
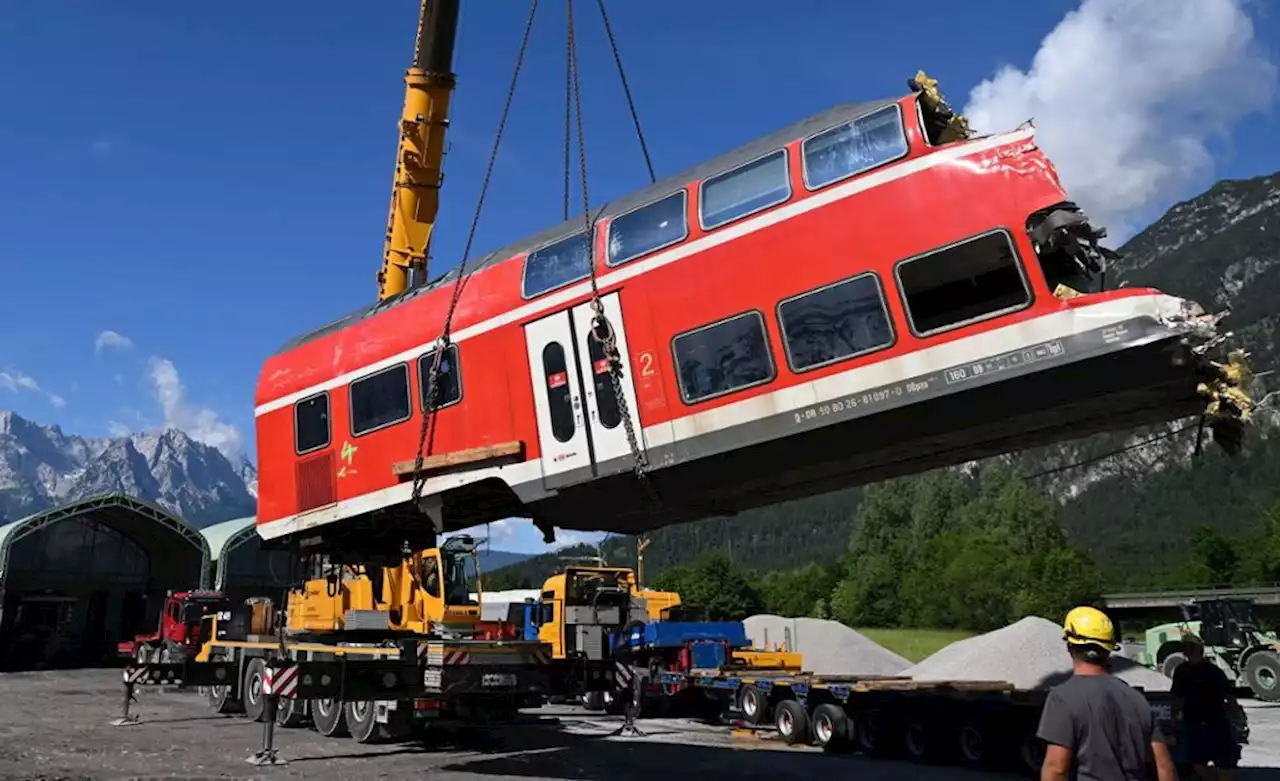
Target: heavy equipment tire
(915, 737)
(754, 705)
(873, 733)
(1030, 754)
(1262, 673)
(221, 702)
(1172, 662)
(613, 703)
(792, 722)
(251, 690)
(978, 743)
(362, 720)
(329, 718)
(291, 712)
(832, 729)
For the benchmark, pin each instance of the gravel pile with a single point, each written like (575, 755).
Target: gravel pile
(1028, 653)
(828, 647)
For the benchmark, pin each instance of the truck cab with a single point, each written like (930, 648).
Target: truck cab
(181, 630)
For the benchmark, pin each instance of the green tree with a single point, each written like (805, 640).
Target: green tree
(714, 584)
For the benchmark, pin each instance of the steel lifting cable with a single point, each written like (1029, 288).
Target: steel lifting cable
(631, 104)
(442, 344)
(601, 329)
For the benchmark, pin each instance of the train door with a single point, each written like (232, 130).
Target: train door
(580, 428)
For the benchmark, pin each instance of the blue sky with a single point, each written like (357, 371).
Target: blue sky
(206, 181)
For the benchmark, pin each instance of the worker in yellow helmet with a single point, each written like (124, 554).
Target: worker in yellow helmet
(1094, 723)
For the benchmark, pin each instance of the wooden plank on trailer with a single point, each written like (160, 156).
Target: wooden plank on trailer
(934, 686)
(473, 455)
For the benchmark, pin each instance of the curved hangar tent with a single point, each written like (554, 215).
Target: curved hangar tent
(239, 566)
(78, 578)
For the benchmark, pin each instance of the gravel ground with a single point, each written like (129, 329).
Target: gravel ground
(54, 725)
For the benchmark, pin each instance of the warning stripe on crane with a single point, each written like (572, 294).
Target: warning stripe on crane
(281, 681)
(457, 657)
(153, 676)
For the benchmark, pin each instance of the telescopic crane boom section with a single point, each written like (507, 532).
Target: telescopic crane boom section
(415, 196)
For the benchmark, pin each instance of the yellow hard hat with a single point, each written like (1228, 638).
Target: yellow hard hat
(1086, 625)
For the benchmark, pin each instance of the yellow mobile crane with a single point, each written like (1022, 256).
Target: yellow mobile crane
(415, 193)
(371, 645)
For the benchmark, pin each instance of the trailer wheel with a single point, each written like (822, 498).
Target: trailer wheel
(753, 704)
(871, 734)
(1030, 755)
(977, 743)
(328, 718)
(362, 720)
(832, 729)
(792, 722)
(254, 704)
(915, 737)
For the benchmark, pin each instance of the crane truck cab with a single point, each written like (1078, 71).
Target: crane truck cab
(182, 628)
(425, 592)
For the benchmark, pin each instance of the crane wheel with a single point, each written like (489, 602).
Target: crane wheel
(291, 712)
(329, 718)
(254, 703)
(362, 720)
(221, 702)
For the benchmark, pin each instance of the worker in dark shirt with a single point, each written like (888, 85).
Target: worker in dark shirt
(1096, 727)
(1203, 701)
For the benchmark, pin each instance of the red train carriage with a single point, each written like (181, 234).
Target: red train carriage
(845, 300)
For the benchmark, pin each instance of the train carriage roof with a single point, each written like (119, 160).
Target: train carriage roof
(725, 162)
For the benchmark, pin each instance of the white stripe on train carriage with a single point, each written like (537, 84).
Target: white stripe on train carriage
(561, 298)
(858, 379)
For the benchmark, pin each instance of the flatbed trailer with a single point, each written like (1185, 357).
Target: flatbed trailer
(370, 690)
(980, 724)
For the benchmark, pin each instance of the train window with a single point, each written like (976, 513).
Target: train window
(746, 189)
(311, 423)
(448, 379)
(556, 265)
(555, 372)
(380, 399)
(972, 280)
(854, 147)
(835, 322)
(606, 395)
(648, 228)
(723, 357)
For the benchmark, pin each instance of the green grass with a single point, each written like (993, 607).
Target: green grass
(915, 644)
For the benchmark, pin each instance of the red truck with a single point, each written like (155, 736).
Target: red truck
(180, 634)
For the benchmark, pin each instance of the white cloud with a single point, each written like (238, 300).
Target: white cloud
(1126, 96)
(117, 429)
(199, 423)
(113, 340)
(16, 381)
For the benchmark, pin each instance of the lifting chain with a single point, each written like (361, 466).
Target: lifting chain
(431, 390)
(601, 328)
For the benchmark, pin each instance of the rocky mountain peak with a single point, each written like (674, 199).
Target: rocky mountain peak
(41, 466)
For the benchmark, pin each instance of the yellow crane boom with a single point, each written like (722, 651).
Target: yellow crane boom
(415, 195)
